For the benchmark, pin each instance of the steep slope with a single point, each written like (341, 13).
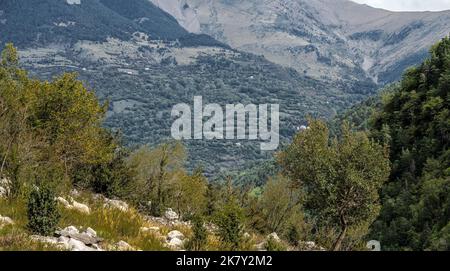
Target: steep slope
(40, 23)
(139, 59)
(325, 38)
(185, 15)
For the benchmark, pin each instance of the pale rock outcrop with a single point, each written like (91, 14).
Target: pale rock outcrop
(175, 234)
(74, 205)
(123, 246)
(171, 215)
(116, 204)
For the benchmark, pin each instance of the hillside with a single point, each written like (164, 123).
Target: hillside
(42, 23)
(323, 38)
(143, 62)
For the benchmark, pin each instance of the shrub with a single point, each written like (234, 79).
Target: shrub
(274, 245)
(293, 235)
(43, 214)
(200, 236)
(229, 221)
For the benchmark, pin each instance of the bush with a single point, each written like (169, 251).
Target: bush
(43, 214)
(274, 245)
(229, 221)
(200, 236)
(293, 235)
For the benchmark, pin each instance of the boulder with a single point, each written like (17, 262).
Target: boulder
(89, 237)
(171, 215)
(91, 232)
(76, 245)
(4, 221)
(374, 245)
(80, 207)
(123, 246)
(273, 236)
(64, 202)
(116, 204)
(175, 243)
(175, 235)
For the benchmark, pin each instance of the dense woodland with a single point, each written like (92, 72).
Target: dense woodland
(387, 177)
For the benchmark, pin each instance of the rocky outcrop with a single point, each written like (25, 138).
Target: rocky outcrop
(171, 215)
(175, 240)
(74, 205)
(123, 246)
(70, 238)
(116, 204)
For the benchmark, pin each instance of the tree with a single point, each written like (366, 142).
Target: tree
(156, 172)
(43, 214)
(230, 222)
(341, 177)
(416, 120)
(279, 202)
(189, 194)
(200, 235)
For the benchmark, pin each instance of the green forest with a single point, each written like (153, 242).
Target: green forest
(379, 171)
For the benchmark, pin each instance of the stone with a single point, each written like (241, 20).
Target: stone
(171, 215)
(64, 202)
(273, 236)
(123, 246)
(374, 245)
(91, 232)
(68, 231)
(82, 208)
(175, 234)
(116, 204)
(175, 243)
(76, 245)
(4, 220)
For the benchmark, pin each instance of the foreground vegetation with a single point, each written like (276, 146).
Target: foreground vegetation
(321, 187)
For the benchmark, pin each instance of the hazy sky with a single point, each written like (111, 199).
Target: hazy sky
(408, 5)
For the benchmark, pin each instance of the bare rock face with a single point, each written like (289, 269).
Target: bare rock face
(330, 38)
(180, 9)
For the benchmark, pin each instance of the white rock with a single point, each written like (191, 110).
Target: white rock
(64, 202)
(76, 245)
(273, 236)
(116, 204)
(171, 215)
(175, 243)
(175, 235)
(91, 232)
(4, 220)
(123, 246)
(83, 208)
(374, 245)
(70, 230)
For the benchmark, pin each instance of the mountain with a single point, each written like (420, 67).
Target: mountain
(140, 58)
(44, 22)
(324, 38)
